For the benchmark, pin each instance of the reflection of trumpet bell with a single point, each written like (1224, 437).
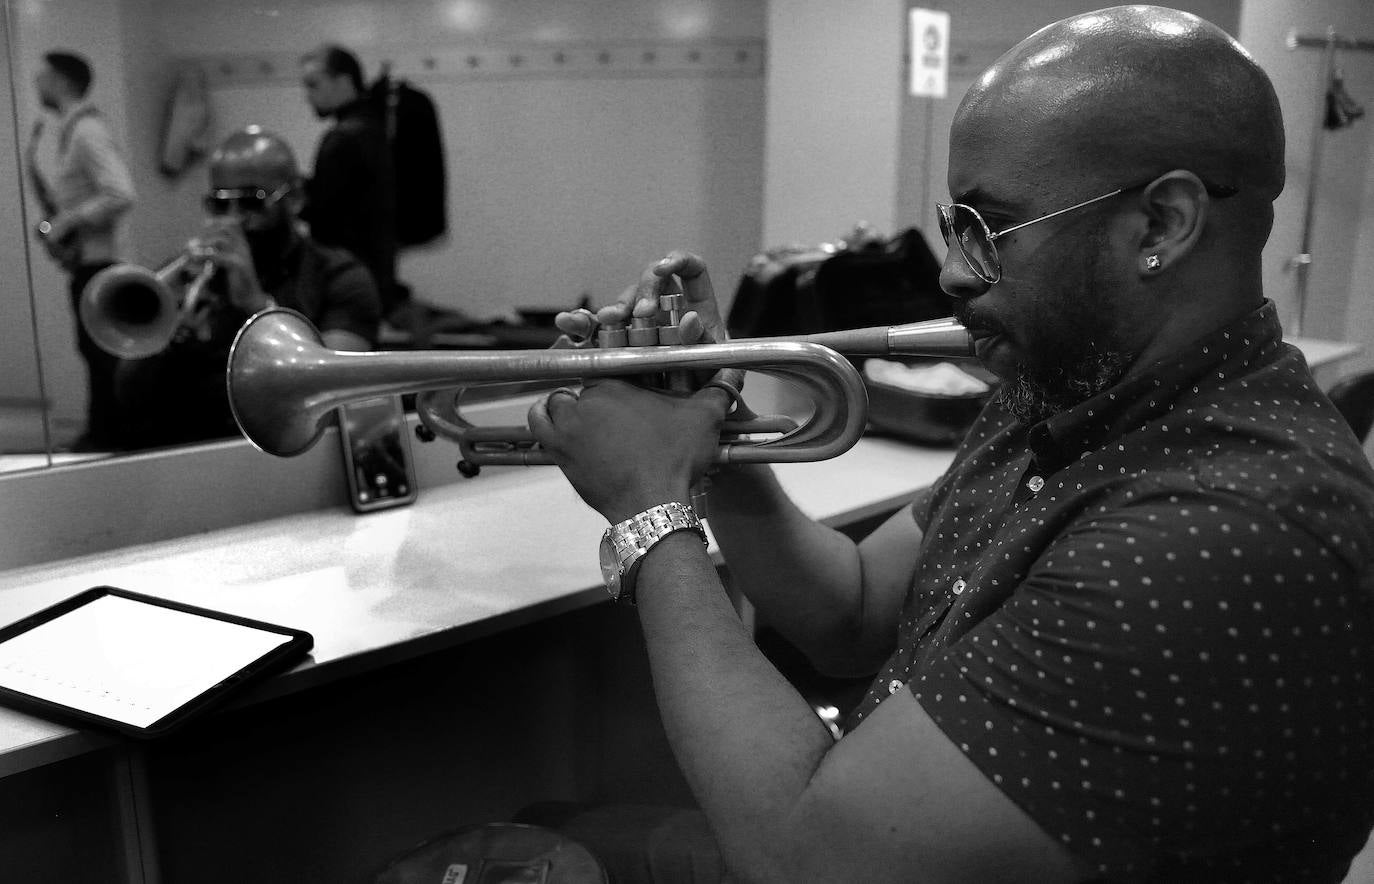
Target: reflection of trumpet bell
(284, 384)
(132, 312)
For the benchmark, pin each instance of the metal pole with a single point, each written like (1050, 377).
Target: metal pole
(1296, 40)
(1302, 262)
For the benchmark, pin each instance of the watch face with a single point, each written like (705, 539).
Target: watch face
(610, 566)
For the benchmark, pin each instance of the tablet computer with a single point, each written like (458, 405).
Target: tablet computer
(139, 664)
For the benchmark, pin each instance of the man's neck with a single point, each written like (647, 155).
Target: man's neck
(352, 106)
(65, 106)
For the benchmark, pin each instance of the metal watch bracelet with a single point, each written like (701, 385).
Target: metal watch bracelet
(626, 543)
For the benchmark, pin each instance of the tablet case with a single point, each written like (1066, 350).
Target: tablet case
(298, 644)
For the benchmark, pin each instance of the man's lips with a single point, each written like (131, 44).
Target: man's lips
(985, 341)
(979, 333)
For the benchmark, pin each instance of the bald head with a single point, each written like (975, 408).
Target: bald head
(253, 157)
(1133, 91)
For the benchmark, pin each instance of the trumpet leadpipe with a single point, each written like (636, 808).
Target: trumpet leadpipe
(935, 337)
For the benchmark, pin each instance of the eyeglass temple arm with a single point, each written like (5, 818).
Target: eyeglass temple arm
(1015, 227)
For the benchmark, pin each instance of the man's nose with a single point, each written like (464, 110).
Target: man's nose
(957, 279)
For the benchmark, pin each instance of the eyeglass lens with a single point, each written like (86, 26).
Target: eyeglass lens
(960, 224)
(248, 202)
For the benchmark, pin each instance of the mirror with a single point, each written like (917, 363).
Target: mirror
(580, 138)
(24, 441)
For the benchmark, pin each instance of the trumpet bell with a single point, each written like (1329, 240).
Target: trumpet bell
(276, 364)
(129, 311)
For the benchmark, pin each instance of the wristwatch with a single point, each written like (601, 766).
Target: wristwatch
(625, 544)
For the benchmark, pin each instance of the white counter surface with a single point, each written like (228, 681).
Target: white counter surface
(468, 559)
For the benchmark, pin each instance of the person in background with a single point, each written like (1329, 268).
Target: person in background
(350, 199)
(1129, 634)
(84, 189)
(263, 257)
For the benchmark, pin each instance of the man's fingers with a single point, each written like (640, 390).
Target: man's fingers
(547, 411)
(578, 326)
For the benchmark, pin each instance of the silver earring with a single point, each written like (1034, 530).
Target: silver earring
(1152, 262)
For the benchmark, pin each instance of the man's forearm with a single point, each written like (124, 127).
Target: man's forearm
(803, 578)
(746, 741)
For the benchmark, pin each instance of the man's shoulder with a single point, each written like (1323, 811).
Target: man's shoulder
(358, 122)
(86, 121)
(330, 261)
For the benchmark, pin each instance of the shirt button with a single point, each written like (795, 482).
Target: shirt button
(959, 586)
(1035, 483)
(894, 686)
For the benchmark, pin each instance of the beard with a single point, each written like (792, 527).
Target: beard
(1075, 352)
(1032, 395)
(268, 245)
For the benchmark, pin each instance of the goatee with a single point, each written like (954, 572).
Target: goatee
(1032, 396)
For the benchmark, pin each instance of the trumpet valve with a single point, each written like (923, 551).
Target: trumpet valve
(643, 331)
(670, 307)
(612, 335)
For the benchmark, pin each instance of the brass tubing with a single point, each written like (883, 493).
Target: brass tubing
(283, 383)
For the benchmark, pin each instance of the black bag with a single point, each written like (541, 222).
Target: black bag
(863, 283)
(874, 282)
(417, 152)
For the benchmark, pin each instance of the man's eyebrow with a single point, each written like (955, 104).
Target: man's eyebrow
(981, 199)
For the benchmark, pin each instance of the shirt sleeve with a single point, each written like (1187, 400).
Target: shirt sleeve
(114, 187)
(920, 507)
(351, 302)
(1174, 677)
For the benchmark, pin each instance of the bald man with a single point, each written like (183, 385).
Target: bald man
(264, 257)
(1129, 635)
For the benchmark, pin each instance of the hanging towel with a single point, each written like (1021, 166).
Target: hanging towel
(186, 125)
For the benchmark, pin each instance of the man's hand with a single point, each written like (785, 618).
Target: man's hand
(678, 272)
(221, 243)
(625, 448)
(59, 241)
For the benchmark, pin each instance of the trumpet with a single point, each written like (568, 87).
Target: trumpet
(284, 384)
(132, 312)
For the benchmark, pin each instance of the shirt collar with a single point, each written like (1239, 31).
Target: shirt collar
(1145, 395)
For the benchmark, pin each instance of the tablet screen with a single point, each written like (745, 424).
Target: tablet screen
(129, 661)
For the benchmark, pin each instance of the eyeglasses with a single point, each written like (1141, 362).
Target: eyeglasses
(961, 225)
(246, 199)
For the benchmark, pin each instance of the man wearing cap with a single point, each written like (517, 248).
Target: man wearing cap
(263, 257)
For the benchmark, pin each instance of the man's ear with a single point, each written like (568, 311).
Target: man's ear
(1176, 205)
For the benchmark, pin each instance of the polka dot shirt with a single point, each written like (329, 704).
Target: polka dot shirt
(1150, 620)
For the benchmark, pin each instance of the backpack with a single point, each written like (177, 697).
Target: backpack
(417, 153)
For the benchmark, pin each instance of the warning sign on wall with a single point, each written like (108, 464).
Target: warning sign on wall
(929, 52)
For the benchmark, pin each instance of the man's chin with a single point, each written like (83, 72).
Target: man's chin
(1032, 398)
(1026, 401)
